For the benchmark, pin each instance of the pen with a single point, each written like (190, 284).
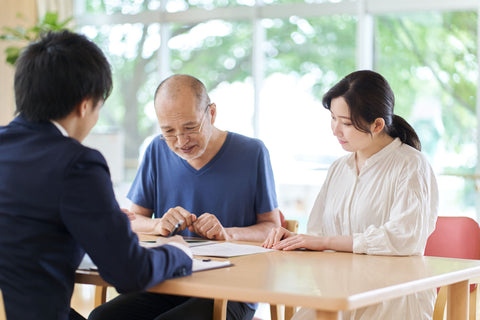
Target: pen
(175, 229)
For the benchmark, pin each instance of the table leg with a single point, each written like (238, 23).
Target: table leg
(328, 315)
(100, 295)
(472, 309)
(220, 309)
(457, 301)
(275, 311)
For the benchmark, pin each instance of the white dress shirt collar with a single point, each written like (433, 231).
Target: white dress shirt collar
(59, 127)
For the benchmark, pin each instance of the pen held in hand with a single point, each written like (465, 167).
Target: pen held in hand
(175, 229)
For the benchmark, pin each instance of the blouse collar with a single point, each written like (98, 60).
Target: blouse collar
(385, 151)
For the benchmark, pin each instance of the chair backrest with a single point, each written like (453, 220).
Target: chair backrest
(454, 237)
(290, 225)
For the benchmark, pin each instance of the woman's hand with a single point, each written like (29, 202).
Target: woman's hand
(302, 241)
(274, 237)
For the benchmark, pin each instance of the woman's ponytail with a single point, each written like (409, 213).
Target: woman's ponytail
(404, 131)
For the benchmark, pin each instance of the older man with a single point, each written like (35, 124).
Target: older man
(216, 184)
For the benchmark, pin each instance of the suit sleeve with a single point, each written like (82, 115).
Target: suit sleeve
(91, 213)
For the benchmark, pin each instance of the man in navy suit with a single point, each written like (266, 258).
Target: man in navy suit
(56, 196)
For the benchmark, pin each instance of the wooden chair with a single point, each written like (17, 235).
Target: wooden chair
(100, 296)
(3, 315)
(276, 310)
(454, 237)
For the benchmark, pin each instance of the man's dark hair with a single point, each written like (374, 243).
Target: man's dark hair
(56, 73)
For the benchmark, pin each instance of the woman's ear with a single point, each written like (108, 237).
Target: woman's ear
(378, 125)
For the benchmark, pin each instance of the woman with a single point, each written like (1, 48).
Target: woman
(381, 199)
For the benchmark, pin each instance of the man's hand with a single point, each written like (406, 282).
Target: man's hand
(172, 217)
(208, 226)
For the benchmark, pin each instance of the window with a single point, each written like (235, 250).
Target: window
(219, 53)
(304, 57)
(430, 61)
(267, 65)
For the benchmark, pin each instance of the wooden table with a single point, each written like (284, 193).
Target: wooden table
(326, 281)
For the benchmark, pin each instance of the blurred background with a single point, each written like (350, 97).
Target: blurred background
(267, 64)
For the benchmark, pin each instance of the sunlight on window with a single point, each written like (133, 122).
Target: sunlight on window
(429, 58)
(436, 93)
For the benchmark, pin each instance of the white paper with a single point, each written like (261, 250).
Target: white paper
(191, 243)
(87, 263)
(227, 249)
(150, 244)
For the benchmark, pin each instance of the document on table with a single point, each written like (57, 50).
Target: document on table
(191, 243)
(198, 242)
(227, 249)
(87, 263)
(197, 264)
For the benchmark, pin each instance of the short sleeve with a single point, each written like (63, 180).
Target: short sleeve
(266, 197)
(142, 190)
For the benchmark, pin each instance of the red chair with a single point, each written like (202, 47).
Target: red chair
(454, 237)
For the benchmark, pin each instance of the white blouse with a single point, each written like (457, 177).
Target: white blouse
(390, 208)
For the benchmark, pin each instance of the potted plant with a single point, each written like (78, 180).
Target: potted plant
(48, 23)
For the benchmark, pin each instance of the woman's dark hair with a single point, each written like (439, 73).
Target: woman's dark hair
(56, 73)
(369, 97)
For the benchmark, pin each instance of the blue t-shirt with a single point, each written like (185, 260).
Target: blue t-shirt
(235, 186)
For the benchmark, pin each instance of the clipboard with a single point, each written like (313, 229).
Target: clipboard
(208, 264)
(197, 264)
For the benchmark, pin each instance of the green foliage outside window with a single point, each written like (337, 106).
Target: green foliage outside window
(429, 58)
